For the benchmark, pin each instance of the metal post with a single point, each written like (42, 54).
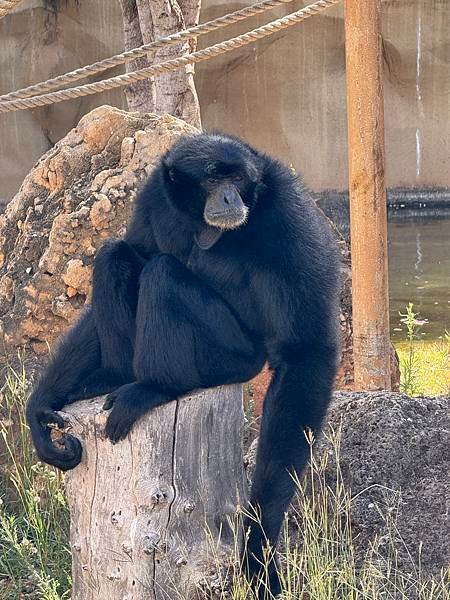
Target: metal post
(368, 220)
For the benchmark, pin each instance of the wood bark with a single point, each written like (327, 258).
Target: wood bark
(172, 93)
(140, 95)
(367, 187)
(147, 513)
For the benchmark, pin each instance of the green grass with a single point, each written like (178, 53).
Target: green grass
(34, 553)
(320, 558)
(430, 367)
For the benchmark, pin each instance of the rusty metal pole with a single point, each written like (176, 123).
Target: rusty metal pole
(368, 218)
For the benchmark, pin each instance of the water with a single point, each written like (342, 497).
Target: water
(419, 272)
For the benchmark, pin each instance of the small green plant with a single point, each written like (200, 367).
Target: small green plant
(320, 556)
(409, 366)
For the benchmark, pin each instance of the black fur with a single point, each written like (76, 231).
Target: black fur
(179, 305)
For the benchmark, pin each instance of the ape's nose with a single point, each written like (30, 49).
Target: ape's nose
(231, 198)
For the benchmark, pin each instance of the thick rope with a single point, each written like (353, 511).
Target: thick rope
(171, 65)
(6, 6)
(119, 59)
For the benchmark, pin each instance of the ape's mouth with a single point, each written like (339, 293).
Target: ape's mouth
(226, 220)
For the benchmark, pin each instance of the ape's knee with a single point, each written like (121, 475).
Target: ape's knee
(116, 259)
(162, 272)
(116, 273)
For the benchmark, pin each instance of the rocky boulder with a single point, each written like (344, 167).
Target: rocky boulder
(391, 453)
(79, 194)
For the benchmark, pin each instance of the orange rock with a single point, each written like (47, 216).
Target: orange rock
(100, 210)
(71, 291)
(77, 276)
(260, 385)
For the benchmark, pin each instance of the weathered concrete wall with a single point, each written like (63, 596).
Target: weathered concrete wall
(36, 44)
(285, 94)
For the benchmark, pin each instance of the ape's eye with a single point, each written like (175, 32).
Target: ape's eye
(212, 180)
(237, 178)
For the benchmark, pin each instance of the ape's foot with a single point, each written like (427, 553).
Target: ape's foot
(265, 581)
(128, 404)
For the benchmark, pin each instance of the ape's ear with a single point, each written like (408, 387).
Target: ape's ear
(168, 169)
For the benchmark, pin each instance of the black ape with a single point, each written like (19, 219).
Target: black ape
(227, 264)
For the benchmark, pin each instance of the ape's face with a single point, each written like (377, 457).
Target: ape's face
(213, 179)
(224, 207)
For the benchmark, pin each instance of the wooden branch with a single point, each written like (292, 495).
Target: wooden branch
(140, 509)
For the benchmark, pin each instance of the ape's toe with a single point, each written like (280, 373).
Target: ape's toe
(109, 402)
(129, 403)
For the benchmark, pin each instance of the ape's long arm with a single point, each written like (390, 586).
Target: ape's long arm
(77, 356)
(295, 403)
(95, 356)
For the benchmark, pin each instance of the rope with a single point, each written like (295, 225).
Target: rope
(6, 6)
(119, 59)
(171, 65)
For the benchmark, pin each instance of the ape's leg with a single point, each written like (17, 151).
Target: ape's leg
(296, 402)
(114, 299)
(115, 289)
(100, 382)
(76, 357)
(186, 338)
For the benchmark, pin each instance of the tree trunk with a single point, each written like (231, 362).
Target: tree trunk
(147, 513)
(172, 93)
(140, 95)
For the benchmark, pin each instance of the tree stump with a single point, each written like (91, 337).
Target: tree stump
(150, 515)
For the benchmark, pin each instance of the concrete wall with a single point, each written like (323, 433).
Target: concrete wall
(285, 94)
(36, 44)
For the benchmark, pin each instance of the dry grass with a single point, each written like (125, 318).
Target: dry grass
(321, 563)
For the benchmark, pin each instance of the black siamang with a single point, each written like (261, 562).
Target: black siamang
(227, 264)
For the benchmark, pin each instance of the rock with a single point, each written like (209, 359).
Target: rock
(79, 194)
(77, 278)
(395, 459)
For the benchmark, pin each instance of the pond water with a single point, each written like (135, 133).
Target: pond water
(419, 272)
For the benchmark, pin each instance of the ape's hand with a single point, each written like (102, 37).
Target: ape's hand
(123, 414)
(65, 452)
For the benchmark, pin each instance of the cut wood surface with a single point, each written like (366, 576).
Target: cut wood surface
(149, 513)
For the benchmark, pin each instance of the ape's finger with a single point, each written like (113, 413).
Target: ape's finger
(117, 426)
(70, 455)
(50, 417)
(65, 452)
